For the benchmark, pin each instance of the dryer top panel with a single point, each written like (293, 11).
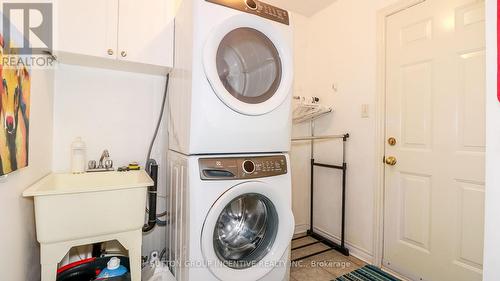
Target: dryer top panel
(258, 8)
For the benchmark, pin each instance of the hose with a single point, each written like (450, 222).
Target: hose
(161, 223)
(152, 191)
(162, 110)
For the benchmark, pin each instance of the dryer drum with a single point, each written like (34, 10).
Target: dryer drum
(249, 65)
(245, 231)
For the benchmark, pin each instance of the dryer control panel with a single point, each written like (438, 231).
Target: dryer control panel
(240, 168)
(257, 8)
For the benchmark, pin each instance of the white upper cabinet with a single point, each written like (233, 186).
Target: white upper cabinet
(146, 31)
(87, 27)
(119, 34)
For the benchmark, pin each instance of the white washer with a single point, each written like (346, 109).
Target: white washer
(232, 81)
(231, 217)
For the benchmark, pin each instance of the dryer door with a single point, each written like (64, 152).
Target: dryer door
(246, 232)
(248, 63)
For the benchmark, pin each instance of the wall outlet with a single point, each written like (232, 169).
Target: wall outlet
(365, 111)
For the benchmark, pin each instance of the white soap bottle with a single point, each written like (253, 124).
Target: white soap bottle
(78, 155)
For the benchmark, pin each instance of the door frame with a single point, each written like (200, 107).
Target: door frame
(380, 111)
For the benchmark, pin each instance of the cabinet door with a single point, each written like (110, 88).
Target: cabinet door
(87, 27)
(145, 31)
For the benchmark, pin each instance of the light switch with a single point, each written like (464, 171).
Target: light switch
(365, 111)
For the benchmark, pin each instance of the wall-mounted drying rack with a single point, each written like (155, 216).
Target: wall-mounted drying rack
(343, 167)
(309, 109)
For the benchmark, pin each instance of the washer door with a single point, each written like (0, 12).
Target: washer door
(249, 65)
(247, 232)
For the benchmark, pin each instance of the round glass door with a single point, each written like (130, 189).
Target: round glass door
(245, 231)
(249, 65)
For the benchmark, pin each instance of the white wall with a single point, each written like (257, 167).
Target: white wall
(111, 110)
(492, 232)
(341, 49)
(300, 154)
(19, 254)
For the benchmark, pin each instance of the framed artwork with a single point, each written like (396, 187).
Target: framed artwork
(15, 92)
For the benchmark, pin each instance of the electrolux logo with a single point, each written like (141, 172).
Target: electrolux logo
(27, 34)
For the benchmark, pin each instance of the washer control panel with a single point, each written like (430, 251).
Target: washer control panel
(258, 8)
(238, 168)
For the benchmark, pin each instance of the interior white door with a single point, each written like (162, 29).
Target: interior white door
(146, 31)
(87, 27)
(435, 111)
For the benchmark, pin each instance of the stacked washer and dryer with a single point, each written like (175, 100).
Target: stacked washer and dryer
(229, 134)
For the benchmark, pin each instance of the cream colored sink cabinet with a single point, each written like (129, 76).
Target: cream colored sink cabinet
(118, 34)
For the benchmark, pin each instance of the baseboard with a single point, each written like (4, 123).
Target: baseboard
(301, 228)
(354, 250)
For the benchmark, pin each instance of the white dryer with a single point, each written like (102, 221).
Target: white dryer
(232, 81)
(230, 217)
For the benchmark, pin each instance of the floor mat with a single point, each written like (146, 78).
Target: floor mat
(367, 273)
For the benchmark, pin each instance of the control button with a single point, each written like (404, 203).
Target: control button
(248, 166)
(251, 4)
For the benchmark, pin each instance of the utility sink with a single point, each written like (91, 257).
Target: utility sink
(77, 206)
(81, 209)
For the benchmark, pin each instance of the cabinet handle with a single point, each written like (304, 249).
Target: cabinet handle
(124, 54)
(110, 52)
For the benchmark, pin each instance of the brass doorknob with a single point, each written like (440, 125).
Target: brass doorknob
(391, 160)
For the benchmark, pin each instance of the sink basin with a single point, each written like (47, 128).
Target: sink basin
(77, 206)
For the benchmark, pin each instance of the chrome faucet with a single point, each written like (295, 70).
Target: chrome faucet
(105, 164)
(104, 157)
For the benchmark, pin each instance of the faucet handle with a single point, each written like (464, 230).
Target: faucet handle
(92, 164)
(108, 164)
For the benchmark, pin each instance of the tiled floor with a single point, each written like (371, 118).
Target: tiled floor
(323, 267)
